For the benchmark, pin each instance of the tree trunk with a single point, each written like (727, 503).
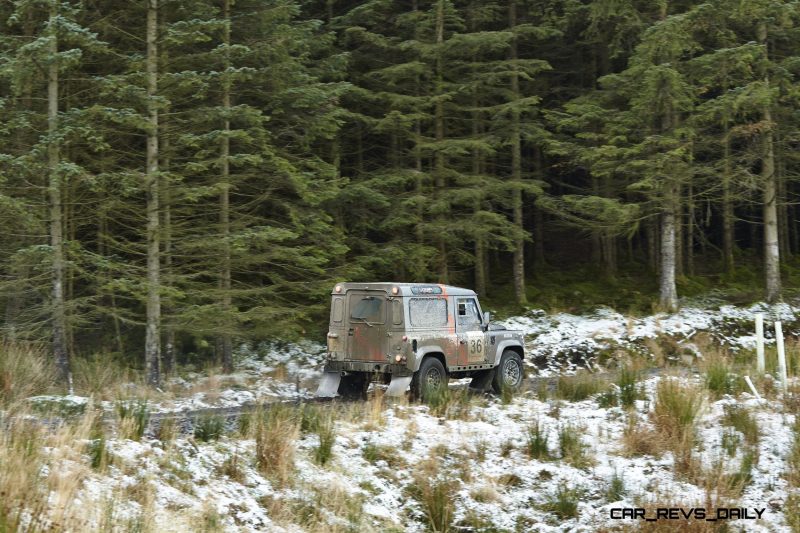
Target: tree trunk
(56, 215)
(153, 327)
(480, 242)
(690, 230)
(516, 170)
(224, 199)
(668, 291)
(771, 246)
(539, 257)
(728, 238)
(439, 163)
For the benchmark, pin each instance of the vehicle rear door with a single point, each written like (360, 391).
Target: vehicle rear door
(471, 332)
(366, 334)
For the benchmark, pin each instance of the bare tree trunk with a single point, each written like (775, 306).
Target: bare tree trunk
(679, 234)
(668, 291)
(728, 238)
(56, 214)
(224, 200)
(153, 327)
(539, 257)
(516, 170)
(102, 249)
(439, 124)
(690, 231)
(477, 168)
(771, 247)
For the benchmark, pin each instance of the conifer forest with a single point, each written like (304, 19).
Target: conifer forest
(177, 177)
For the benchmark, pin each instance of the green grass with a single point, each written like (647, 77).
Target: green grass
(208, 428)
(628, 391)
(326, 431)
(616, 488)
(578, 387)
(742, 421)
(564, 502)
(571, 447)
(537, 447)
(134, 415)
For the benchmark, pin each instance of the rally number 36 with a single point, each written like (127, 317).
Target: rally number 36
(476, 346)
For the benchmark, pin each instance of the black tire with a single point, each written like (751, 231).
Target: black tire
(354, 386)
(429, 380)
(509, 373)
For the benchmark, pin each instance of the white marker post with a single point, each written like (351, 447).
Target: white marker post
(781, 355)
(760, 342)
(752, 387)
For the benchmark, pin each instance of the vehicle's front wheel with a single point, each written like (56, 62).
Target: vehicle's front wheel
(509, 373)
(430, 380)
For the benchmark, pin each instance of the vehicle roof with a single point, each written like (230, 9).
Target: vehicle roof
(407, 289)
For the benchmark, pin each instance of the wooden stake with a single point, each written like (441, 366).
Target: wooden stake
(781, 355)
(760, 342)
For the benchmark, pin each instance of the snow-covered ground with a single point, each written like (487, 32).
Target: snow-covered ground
(564, 341)
(495, 482)
(382, 450)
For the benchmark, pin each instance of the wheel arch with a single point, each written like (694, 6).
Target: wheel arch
(434, 352)
(508, 345)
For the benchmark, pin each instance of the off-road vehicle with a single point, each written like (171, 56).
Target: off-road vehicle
(416, 335)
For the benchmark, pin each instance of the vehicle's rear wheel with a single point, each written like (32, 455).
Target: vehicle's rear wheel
(509, 373)
(430, 380)
(354, 386)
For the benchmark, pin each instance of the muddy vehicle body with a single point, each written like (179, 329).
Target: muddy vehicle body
(416, 335)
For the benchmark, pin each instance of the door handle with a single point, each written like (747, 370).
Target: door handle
(350, 332)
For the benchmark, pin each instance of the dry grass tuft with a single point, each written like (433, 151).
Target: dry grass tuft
(436, 493)
(24, 371)
(638, 440)
(276, 432)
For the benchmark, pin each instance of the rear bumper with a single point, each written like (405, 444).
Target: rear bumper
(361, 366)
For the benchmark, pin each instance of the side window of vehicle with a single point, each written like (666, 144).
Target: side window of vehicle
(468, 312)
(428, 312)
(338, 309)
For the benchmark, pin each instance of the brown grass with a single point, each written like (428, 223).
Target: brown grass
(276, 432)
(24, 371)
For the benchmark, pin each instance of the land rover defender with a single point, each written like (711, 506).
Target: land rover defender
(417, 335)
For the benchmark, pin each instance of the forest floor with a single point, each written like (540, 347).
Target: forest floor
(620, 412)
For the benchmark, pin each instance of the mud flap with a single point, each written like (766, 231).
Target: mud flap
(398, 385)
(329, 384)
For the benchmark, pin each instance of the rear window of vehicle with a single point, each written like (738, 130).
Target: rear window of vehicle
(428, 312)
(368, 309)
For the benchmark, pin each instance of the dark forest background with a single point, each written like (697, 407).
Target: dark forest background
(180, 176)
